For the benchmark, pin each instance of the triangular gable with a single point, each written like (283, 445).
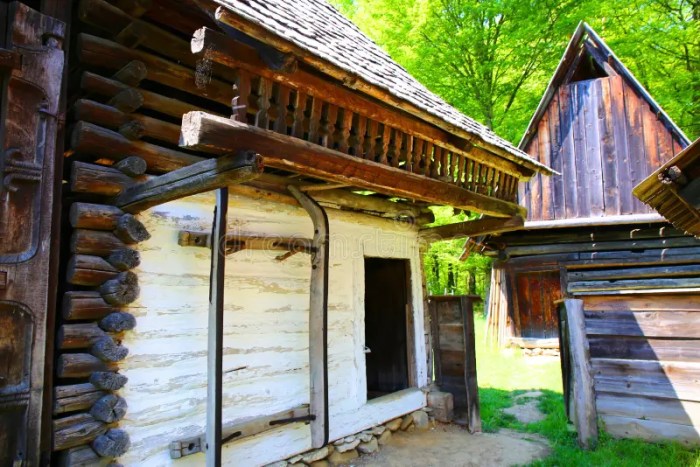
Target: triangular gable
(586, 45)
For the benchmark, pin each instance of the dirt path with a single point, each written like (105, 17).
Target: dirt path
(451, 445)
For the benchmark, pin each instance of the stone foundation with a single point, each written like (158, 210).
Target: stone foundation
(345, 450)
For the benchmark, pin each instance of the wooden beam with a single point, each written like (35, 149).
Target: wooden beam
(215, 348)
(241, 429)
(473, 228)
(205, 132)
(585, 416)
(318, 319)
(346, 199)
(196, 178)
(235, 242)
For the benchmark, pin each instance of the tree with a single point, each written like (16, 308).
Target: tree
(492, 59)
(659, 41)
(482, 56)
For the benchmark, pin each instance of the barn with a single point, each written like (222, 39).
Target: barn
(601, 131)
(213, 214)
(595, 272)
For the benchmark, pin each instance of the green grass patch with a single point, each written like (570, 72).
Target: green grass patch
(505, 373)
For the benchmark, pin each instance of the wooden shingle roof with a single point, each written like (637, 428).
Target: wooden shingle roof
(331, 42)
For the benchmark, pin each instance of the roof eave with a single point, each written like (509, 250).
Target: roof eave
(230, 17)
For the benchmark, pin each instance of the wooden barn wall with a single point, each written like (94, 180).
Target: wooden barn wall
(266, 331)
(645, 356)
(603, 139)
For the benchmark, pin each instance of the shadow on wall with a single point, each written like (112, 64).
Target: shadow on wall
(645, 360)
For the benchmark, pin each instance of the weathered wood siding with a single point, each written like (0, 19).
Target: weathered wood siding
(266, 336)
(603, 139)
(645, 357)
(534, 297)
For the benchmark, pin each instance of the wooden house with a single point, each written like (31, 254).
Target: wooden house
(612, 283)
(208, 210)
(601, 131)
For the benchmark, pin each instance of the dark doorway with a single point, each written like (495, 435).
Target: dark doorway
(386, 333)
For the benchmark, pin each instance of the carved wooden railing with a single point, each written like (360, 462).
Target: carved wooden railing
(267, 104)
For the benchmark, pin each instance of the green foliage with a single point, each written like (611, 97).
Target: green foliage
(492, 59)
(445, 272)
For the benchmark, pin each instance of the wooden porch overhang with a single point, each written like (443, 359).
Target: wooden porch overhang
(674, 190)
(218, 135)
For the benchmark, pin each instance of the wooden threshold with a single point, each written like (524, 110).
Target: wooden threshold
(205, 132)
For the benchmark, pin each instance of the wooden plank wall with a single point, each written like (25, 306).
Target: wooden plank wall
(266, 330)
(603, 139)
(645, 356)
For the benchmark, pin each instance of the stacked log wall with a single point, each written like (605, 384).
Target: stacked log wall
(619, 257)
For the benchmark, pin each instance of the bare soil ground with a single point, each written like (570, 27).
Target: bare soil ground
(453, 446)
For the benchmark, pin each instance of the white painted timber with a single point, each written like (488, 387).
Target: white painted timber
(266, 331)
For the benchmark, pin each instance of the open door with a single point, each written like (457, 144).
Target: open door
(31, 70)
(386, 330)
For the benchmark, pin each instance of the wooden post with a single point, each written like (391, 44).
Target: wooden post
(583, 392)
(470, 380)
(318, 319)
(216, 330)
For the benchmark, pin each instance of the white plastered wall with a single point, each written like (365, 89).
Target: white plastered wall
(266, 331)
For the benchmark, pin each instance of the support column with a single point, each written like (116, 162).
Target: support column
(216, 330)
(318, 319)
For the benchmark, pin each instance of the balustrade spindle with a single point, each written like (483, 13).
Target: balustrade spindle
(383, 145)
(473, 175)
(357, 136)
(407, 151)
(330, 119)
(262, 91)
(282, 108)
(427, 158)
(418, 147)
(454, 166)
(242, 93)
(299, 126)
(315, 116)
(341, 138)
(436, 165)
(370, 142)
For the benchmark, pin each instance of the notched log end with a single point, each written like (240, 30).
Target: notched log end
(109, 351)
(118, 322)
(121, 290)
(191, 129)
(130, 230)
(109, 409)
(114, 443)
(107, 380)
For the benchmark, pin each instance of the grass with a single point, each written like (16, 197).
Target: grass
(503, 374)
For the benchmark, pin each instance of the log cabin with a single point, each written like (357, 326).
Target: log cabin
(213, 214)
(613, 284)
